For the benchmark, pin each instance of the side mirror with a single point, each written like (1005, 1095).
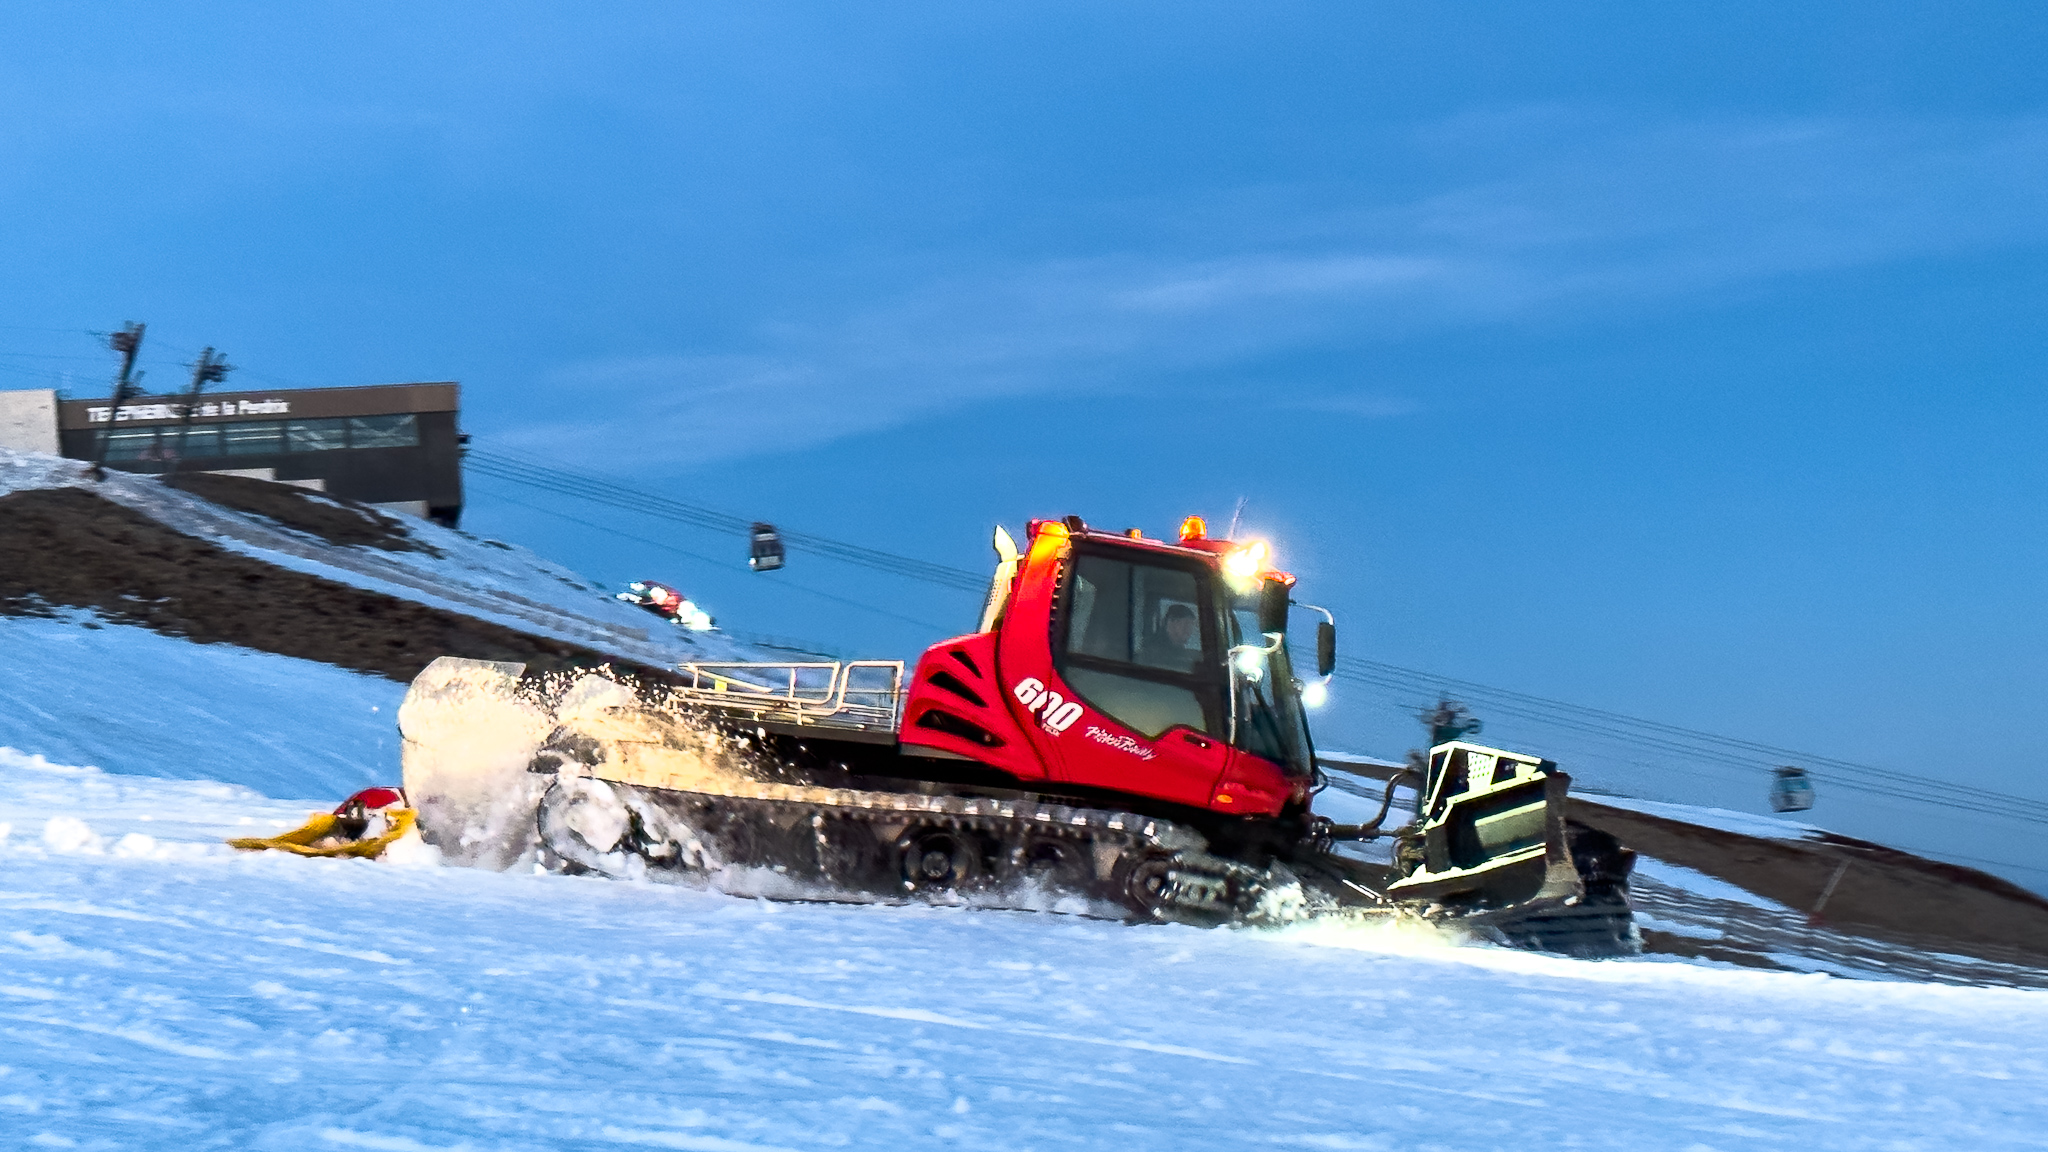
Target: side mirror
(1326, 648)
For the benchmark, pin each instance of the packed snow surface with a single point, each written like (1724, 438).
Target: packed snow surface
(159, 990)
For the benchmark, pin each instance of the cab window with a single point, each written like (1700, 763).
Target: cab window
(1137, 641)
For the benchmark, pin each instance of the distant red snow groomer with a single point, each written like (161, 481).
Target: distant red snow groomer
(1125, 726)
(667, 603)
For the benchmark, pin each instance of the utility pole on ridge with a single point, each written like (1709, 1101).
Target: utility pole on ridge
(206, 370)
(128, 342)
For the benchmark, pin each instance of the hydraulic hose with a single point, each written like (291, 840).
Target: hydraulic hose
(1371, 829)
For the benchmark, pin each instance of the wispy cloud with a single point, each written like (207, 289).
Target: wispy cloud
(1364, 406)
(1258, 278)
(1588, 219)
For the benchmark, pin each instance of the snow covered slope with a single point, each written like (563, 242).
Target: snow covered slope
(449, 570)
(158, 991)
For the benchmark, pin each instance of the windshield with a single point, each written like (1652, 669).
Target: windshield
(1266, 702)
(1158, 643)
(1133, 643)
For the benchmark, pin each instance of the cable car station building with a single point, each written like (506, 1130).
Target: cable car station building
(395, 446)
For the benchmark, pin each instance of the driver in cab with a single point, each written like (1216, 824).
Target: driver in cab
(1174, 646)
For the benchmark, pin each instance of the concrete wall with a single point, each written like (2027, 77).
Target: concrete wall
(28, 420)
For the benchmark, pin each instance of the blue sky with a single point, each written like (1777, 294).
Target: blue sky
(1683, 363)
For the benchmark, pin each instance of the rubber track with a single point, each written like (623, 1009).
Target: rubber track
(1191, 883)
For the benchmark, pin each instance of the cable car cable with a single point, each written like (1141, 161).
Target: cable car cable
(1675, 730)
(607, 491)
(1980, 800)
(720, 564)
(610, 492)
(1736, 751)
(1706, 747)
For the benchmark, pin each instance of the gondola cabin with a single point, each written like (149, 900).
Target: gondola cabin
(1791, 791)
(764, 549)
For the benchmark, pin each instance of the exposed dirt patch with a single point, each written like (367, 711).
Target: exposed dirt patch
(343, 522)
(67, 547)
(1878, 892)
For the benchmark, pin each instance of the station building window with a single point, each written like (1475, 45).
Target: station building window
(262, 437)
(383, 431)
(132, 444)
(194, 442)
(252, 438)
(317, 435)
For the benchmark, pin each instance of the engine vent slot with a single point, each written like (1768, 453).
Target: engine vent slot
(940, 720)
(967, 662)
(951, 683)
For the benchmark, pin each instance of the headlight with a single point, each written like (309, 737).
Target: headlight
(1245, 563)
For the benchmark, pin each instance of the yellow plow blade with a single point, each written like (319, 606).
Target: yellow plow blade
(321, 835)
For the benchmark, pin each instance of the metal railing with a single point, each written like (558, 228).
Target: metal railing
(863, 694)
(1728, 930)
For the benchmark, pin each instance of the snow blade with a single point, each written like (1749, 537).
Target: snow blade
(1493, 830)
(1492, 847)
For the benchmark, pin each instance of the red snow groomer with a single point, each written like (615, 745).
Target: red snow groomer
(667, 603)
(1125, 726)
